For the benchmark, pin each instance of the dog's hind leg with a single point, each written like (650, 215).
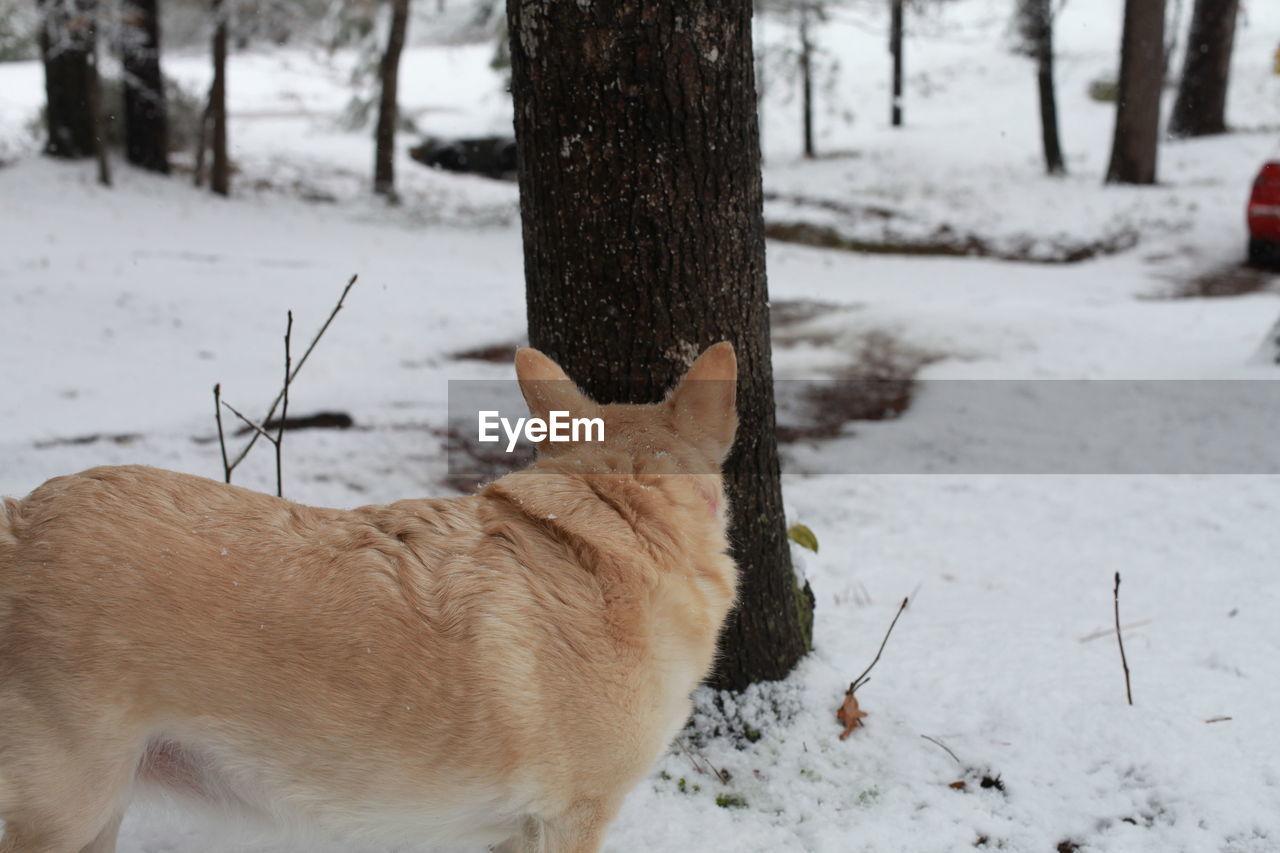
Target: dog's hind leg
(581, 828)
(83, 825)
(60, 800)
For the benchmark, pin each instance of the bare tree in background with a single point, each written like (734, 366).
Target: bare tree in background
(67, 42)
(807, 13)
(1201, 106)
(1035, 23)
(98, 113)
(895, 50)
(145, 118)
(641, 205)
(384, 176)
(220, 175)
(1133, 150)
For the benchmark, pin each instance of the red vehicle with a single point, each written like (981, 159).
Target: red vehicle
(1264, 216)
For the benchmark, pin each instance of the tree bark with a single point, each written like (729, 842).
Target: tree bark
(384, 175)
(220, 173)
(1201, 106)
(641, 205)
(146, 121)
(67, 38)
(1133, 150)
(895, 48)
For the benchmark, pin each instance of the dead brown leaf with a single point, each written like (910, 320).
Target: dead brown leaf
(849, 715)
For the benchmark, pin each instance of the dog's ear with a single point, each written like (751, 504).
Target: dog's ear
(546, 387)
(704, 403)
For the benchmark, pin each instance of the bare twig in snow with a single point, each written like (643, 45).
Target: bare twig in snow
(277, 440)
(282, 400)
(222, 441)
(294, 374)
(863, 679)
(1119, 639)
(722, 775)
(936, 742)
(1098, 635)
(284, 411)
(849, 714)
(253, 426)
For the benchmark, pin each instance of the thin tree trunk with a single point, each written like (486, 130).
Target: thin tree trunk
(384, 175)
(146, 122)
(1201, 106)
(1054, 163)
(66, 41)
(220, 174)
(202, 139)
(895, 49)
(99, 116)
(806, 78)
(641, 204)
(1133, 151)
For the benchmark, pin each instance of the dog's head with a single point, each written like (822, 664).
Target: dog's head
(690, 432)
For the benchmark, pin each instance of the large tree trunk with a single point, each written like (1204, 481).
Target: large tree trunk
(220, 175)
(146, 122)
(384, 175)
(895, 50)
(1133, 151)
(1201, 105)
(640, 197)
(67, 40)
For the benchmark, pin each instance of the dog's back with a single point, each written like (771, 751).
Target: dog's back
(444, 670)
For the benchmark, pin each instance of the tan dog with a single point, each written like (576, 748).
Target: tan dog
(500, 668)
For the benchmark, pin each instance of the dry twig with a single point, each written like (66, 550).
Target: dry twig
(222, 440)
(284, 410)
(849, 714)
(294, 375)
(1119, 639)
(863, 679)
(936, 742)
(722, 775)
(282, 400)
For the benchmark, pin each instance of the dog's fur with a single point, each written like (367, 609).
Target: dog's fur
(496, 669)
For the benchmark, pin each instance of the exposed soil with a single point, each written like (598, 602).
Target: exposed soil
(503, 353)
(1226, 280)
(877, 385)
(123, 439)
(947, 243)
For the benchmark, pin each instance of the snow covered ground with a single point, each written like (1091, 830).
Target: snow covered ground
(120, 308)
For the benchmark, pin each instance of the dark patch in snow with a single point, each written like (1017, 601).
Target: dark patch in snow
(122, 439)
(1227, 280)
(946, 242)
(320, 420)
(503, 353)
(877, 385)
